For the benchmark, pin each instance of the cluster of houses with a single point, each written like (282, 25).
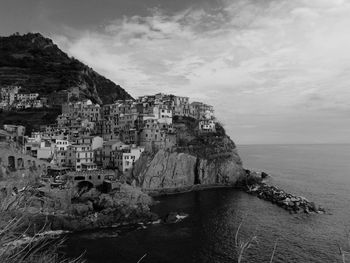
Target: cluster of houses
(88, 137)
(15, 98)
(12, 98)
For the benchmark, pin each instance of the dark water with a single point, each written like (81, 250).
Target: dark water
(320, 173)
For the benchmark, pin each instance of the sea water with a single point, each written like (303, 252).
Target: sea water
(320, 173)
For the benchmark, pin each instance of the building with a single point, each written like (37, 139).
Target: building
(8, 94)
(94, 141)
(26, 96)
(46, 150)
(199, 110)
(163, 114)
(5, 136)
(62, 97)
(153, 135)
(60, 152)
(77, 155)
(17, 130)
(207, 126)
(106, 154)
(126, 158)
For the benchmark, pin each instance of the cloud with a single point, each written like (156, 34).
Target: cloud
(277, 58)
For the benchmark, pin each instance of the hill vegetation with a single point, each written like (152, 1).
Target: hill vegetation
(38, 65)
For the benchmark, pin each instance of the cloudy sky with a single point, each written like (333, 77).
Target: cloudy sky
(277, 71)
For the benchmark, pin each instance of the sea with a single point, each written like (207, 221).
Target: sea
(320, 173)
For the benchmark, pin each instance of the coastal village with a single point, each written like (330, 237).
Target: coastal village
(95, 143)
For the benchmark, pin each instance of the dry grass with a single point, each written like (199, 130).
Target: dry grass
(17, 245)
(242, 245)
(343, 253)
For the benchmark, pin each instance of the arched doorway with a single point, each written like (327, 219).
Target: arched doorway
(84, 186)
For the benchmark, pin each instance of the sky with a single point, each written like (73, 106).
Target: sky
(276, 71)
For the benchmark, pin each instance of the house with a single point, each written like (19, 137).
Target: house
(126, 158)
(107, 149)
(5, 136)
(153, 135)
(46, 150)
(8, 94)
(200, 110)
(207, 126)
(163, 114)
(26, 96)
(79, 154)
(16, 130)
(94, 141)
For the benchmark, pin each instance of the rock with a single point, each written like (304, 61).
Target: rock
(170, 218)
(293, 204)
(312, 206)
(264, 175)
(211, 160)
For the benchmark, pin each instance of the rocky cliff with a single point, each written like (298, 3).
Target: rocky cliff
(198, 159)
(38, 65)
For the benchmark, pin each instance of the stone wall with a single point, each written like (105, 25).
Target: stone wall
(13, 159)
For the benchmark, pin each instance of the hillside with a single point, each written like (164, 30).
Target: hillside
(38, 65)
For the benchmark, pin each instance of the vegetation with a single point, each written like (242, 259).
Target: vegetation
(19, 241)
(38, 65)
(31, 119)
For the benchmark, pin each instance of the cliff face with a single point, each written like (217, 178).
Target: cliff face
(198, 160)
(38, 65)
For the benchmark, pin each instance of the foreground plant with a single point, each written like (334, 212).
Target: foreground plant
(19, 243)
(242, 245)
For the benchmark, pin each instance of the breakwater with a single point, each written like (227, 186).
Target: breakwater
(292, 203)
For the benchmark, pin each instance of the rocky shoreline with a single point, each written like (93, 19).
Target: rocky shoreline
(185, 189)
(254, 185)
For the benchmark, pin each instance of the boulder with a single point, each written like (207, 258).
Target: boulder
(264, 175)
(170, 218)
